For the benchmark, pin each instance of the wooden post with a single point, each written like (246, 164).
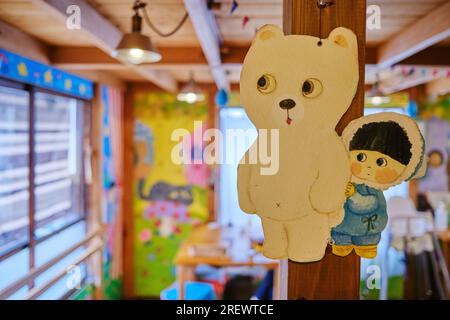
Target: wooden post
(127, 196)
(333, 277)
(96, 206)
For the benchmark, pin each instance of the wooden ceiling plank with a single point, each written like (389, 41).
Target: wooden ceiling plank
(64, 55)
(105, 35)
(429, 30)
(171, 56)
(437, 55)
(208, 36)
(89, 58)
(17, 41)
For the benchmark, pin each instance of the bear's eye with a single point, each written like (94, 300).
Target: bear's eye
(266, 83)
(311, 88)
(361, 157)
(381, 162)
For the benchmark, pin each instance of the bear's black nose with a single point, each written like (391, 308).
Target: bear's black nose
(287, 104)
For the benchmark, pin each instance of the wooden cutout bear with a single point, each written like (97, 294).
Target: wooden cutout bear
(385, 149)
(302, 89)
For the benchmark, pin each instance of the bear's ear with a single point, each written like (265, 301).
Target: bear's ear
(268, 31)
(344, 38)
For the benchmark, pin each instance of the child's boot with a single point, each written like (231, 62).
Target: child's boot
(368, 252)
(342, 250)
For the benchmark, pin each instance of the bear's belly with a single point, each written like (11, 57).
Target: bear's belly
(284, 196)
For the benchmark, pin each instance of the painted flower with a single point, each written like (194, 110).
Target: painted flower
(145, 235)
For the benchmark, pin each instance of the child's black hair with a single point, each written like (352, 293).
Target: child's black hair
(387, 137)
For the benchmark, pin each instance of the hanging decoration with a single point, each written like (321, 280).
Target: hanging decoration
(222, 98)
(385, 149)
(234, 6)
(412, 109)
(300, 200)
(245, 20)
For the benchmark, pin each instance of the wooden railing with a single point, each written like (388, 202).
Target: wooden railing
(95, 244)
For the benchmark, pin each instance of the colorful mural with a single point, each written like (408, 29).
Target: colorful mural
(439, 108)
(169, 199)
(22, 69)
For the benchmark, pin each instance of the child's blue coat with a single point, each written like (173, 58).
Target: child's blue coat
(365, 217)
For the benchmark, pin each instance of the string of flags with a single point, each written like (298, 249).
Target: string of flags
(245, 21)
(211, 4)
(406, 71)
(234, 6)
(401, 76)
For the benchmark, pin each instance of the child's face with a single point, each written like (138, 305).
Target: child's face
(374, 166)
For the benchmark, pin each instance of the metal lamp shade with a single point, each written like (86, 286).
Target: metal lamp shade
(376, 96)
(191, 93)
(136, 48)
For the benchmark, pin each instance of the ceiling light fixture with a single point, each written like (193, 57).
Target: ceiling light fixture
(191, 92)
(136, 47)
(375, 96)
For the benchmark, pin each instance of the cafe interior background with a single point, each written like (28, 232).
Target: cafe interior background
(92, 205)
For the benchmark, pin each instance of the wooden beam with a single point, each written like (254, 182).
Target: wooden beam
(127, 195)
(438, 87)
(102, 76)
(371, 55)
(105, 35)
(333, 277)
(92, 58)
(433, 56)
(92, 55)
(208, 36)
(15, 40)
(429, 30)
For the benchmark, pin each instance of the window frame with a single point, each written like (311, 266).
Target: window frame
(32, 241)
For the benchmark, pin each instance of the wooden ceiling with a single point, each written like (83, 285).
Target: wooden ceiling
(36, 20)
(24, 14)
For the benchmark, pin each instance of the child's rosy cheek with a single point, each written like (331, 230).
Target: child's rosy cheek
(356, 168)
(386, 175)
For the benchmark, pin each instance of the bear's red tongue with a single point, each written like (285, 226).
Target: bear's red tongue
(288, 119)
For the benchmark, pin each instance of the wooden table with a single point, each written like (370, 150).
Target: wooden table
(186, 263)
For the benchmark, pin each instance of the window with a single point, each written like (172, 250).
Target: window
(58, 178)
(42, 211)
(229, 211)
(14, 155)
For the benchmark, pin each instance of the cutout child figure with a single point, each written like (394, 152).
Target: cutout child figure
(385, 149)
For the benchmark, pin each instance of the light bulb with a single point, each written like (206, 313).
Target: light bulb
(135, 55)
(191, 97)
(377, 100)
